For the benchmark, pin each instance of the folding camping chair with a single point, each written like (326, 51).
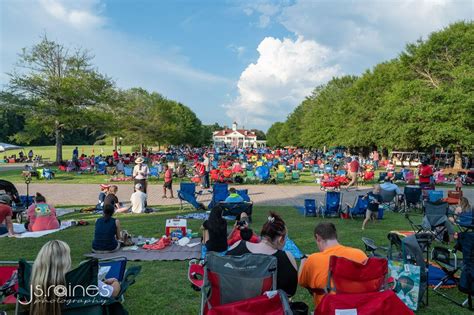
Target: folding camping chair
(154, 172)
(234, 209)
(435, 221)
(359, 207)
(250, 176)
(450, 264)
(8, 282)
(388, 198)
(220, 191)
(465, 221)
(295, 176)
(411, 197)
(235, 284)
(359, 288)
(309, 208)
(117, 266)
(128, 171)
(382, 176)
(333, 204)
(187, 192)
(78, 301)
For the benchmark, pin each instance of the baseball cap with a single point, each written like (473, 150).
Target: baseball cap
(4, 198)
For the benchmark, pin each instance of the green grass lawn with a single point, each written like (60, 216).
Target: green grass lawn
(163, 288)
(49, 152)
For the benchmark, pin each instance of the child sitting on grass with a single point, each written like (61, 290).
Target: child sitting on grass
(373, 207)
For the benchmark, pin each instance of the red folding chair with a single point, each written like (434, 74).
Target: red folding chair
(7, 293)
(360, 287)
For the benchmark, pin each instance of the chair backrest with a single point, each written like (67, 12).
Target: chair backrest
(382, 176)
(84, 275)
(117, 267)
(234, 278)
(333, 201)
(127, 171)
(412, 194)
(387, 196)
(347, 276)
(188, 188)
(154, 171)
(244, 193)
(436, 213)
(310, 206)
(360, 205)
(435, 195)
(219, 193)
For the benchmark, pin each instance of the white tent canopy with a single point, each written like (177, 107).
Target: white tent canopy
(6, 146)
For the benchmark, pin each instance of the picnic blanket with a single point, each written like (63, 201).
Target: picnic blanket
(172, 252)
(194, 215)
(21, 232)
(63, 211)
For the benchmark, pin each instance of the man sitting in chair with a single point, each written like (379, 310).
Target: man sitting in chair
(313, 272)
(388, 185)
(233, 197)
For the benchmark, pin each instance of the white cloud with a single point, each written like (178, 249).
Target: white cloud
(355, 34)
(129, 60)
(286, 71)
(79, 18)
(367, 32)
(239, 50)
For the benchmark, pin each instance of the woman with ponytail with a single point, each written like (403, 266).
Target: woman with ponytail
(273, 236)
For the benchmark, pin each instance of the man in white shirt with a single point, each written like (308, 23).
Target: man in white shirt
(138, 200)
(140, 173)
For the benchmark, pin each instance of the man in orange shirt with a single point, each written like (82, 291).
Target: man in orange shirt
(313, 272)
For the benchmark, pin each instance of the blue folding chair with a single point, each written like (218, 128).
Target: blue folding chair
(309, 208)
(315, 169)
(341, 173)
(128, 171)
(332, 204)
(244, 193)
(101, 167)
(187, 193)
(220, 191)
(117, 265)
(359, 208)
(262, 173)
(328, 168)
(154, 172)
(382, 176)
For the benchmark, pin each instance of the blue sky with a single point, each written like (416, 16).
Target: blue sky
(250, 61)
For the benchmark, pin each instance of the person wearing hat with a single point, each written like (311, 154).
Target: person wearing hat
(6, 214)
(103, 193)
(138, 199)
(140, 173)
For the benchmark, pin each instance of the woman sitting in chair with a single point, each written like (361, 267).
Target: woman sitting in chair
(49, 269)
(41, 216)
(107, 232)
(215, 231)
(273, 240)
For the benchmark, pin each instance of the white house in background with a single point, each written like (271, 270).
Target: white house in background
(236, 138)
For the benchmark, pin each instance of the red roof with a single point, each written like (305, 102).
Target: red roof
(225, 132)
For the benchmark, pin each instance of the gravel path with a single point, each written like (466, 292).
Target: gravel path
(272, 195)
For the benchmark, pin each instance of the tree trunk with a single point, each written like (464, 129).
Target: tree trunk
(114, 143)
(59, 142)
(458, 158)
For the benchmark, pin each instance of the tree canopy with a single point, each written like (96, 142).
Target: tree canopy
(420, 100)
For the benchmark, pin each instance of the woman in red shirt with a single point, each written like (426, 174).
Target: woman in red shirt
(425, 173)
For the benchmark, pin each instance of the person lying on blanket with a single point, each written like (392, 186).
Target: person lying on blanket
(6, 213)
(41, 216)
(107, 232)
(49, 269)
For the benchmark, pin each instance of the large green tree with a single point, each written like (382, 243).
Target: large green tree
(65, 90)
